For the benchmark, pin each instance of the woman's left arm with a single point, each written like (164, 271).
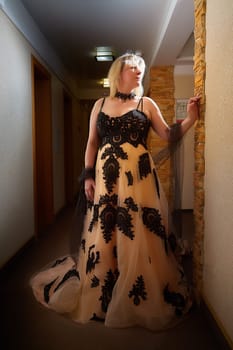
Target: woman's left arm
(162, 128)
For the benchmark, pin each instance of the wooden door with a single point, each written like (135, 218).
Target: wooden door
(42, 147)
(68, 149)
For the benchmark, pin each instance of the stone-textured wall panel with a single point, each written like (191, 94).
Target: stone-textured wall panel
(162, 92)
(199, 143)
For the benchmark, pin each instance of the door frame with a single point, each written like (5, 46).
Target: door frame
(68, 148)
(42, 146)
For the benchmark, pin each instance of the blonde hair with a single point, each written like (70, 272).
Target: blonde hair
(116, 69)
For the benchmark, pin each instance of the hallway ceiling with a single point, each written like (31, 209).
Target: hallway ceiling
(159, 29)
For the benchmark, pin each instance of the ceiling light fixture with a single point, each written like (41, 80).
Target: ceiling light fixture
(105, 83)
(104, 54)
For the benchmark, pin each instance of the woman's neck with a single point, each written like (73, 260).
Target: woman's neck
(125, 96)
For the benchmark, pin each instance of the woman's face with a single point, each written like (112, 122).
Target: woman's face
(132, 73)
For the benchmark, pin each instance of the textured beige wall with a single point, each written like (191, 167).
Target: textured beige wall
(218, 238)
(16, 177)
(184, 85)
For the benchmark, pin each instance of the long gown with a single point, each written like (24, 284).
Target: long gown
(126, 273)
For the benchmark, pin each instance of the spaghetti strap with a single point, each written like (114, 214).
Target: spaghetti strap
(102, 104)
(140, 103)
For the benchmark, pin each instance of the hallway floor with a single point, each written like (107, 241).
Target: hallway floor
(27, 325)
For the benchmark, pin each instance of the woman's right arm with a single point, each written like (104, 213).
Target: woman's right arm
(91, 150)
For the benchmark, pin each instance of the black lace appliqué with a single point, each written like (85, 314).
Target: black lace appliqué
(120, 216)
(129, 177)
(106, 199)
(132, 127)
(47, 288)
(95, 282)
(69, 274)
(131, 204)
(93, 259)
(144, 165)
(94, 217)
(111, 172)
(107, 288)
(124, 222)
(83, 244)
(138, 291)
(175, 299)
(108, 221)
(116, 150)
(152, 220)
(124, 219)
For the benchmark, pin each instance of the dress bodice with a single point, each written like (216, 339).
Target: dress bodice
(131, 127)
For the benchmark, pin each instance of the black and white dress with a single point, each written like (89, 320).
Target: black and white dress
(126, 274)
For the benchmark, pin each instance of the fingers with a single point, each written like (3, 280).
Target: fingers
(89, 189)
(89, 195)
(89, 192)
(193, 107)
(194, 99)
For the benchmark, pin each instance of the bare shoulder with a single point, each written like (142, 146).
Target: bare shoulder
(149, 101)
(150, 108)
(97, 107)
(98, 103)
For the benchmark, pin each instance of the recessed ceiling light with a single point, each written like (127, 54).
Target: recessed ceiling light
(104, 54)
(105, 82)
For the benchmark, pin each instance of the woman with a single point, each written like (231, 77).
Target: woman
(126, 273)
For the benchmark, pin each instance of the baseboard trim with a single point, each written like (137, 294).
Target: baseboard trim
(5, 269)
(222, 337)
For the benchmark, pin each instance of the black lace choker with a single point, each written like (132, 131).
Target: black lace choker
(125, 97)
